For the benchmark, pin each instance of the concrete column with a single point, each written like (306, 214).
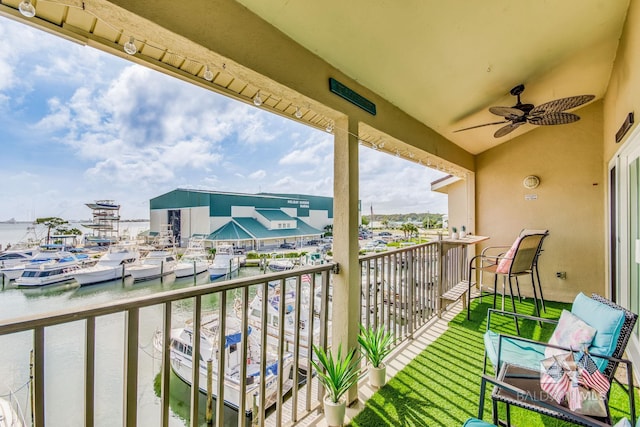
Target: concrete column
(346, 284)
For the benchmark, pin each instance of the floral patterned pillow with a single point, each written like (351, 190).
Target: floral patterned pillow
(571, 332)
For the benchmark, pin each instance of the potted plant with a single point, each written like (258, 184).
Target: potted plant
(463, 231)
(337, 375)
(454, 233)
(375, 344)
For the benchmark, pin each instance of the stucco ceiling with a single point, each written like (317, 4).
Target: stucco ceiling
(446, 62)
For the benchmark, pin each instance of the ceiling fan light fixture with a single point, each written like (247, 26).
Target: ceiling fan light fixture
(549, 113)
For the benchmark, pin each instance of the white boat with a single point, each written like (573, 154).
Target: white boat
(13, 257)
(112, 265)
(156, 263)
(58, 267)
(274, 297)
(12, 273)
(103, 205)
(181, 362)
(12, 262)
(225, 262)
(194, 260)
(10, 416)
(280, 264)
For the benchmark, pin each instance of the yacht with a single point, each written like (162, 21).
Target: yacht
(156, 263)
(13, 261)
(12, 257)
(274, 298)
(182, 363)
(57, 267)
(194, 260)
(112, 265)
(225, 263)
(280, 264)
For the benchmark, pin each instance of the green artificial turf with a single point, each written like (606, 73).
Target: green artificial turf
(441, 386)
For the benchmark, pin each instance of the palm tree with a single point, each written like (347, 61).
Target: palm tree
(51, 222)
(408, 229)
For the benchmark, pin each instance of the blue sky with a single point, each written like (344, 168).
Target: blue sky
(77, 125)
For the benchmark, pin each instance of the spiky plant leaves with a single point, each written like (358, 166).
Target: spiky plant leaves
(375, 344)
(336, 374)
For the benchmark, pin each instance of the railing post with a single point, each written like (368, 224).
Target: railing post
(89, 371)
(439, 284)
(165, 364)
(411, 285)
(222, 326)
(195, 361)
(131, 367)
(38, 377)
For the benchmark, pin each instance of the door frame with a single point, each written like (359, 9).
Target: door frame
(618, 239)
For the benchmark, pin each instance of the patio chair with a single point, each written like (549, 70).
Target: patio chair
(517, 360)
(524, 232)
(520, 259)
(529, 401)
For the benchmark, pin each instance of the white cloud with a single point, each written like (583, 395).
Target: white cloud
(116, 130)
(259, 174)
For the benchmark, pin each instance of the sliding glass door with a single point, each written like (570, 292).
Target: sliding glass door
(624, 226)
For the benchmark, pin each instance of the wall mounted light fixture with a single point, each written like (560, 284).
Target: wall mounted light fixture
(530, 182)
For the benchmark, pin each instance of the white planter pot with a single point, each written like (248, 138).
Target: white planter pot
(334, 412)
(377, 376)
(454, 236)
(463, 234)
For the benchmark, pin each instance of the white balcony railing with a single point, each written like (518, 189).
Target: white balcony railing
(400, 289)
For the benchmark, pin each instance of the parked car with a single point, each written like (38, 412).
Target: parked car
(286, 245)
(313, 242)
(385, 233)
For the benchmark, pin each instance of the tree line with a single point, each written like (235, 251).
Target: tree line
(427, 220)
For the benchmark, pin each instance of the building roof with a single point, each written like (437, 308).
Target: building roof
(274, 215)
(250, 228)
(230, 231)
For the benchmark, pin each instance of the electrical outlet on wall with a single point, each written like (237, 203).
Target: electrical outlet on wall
(561, 275)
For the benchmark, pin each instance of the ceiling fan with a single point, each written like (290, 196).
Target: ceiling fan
(549, 113)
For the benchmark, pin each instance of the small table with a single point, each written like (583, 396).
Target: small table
(454, 269)
(528, 381)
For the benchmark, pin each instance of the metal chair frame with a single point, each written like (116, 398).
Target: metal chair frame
(523, 262)
(510, 394)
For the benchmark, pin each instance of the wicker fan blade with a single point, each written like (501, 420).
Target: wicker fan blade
(506, 129)
(479, 126)
(508, 112)
(553, 119)
(561, 104)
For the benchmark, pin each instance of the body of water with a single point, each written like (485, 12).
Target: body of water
(65, 346)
